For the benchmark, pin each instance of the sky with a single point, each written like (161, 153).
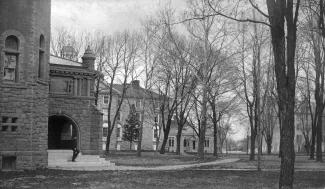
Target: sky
(106, 16)
(109, 16)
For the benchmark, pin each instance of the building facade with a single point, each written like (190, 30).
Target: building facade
(41, 104)
(152, 131)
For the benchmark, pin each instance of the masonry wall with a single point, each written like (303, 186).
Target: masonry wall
(87, 117)
(24, 102)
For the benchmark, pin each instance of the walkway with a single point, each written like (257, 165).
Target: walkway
(164, 168)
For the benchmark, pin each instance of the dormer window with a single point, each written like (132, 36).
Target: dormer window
(11, 59)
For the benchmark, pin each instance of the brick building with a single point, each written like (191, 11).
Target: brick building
(139, 97)
(42, 104)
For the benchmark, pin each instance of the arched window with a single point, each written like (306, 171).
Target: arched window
(41, 57)
(11, 59)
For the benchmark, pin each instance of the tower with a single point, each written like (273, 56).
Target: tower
(25, 27)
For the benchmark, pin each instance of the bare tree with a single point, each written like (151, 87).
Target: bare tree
(69, 43)
(279, 13)
(118, 68)
(315, 33)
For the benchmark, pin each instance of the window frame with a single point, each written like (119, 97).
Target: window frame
(119, 132)
(19, 72)
(207, 142)
(171, 141)
(155, 128)
(104, 100)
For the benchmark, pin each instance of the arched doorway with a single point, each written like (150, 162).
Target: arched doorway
(61, 129)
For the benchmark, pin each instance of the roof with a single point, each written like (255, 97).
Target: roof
(133, 90)
(63, 61)
(137, 92)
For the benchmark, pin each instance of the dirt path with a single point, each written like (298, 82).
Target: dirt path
(167, 167)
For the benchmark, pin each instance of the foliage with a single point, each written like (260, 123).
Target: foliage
(131, 127)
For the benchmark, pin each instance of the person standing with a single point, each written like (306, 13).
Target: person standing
(75, 149)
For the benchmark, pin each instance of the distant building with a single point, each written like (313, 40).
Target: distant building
(152, 130)
(139, 97)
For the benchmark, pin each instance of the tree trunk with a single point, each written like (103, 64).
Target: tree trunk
(130, 145)
(178, 140)
(269, 147)
(108, 140)
(319, 157)
(247, 142)
(284, 58)
(215, 142)
(166, 134)
(163, 145)
(313, 142)
(253, 139)
(307, 145)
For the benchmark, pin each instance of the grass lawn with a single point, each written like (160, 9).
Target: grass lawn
(57, 179)
(152, 159)
(200, 177)
(270, 162)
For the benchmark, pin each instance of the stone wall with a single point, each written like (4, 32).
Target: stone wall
(87, 117)
(24, 102)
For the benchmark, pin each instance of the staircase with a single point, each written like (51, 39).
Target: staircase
(61, 159)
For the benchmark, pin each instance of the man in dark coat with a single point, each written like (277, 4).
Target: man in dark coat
(75, 149)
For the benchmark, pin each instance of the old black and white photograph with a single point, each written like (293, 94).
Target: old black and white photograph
(162, 94)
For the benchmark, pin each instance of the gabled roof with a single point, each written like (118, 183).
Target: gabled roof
(133, 90)
(104, 88)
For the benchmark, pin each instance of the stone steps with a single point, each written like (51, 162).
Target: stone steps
(62, 159)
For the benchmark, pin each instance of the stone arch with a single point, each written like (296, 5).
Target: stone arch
(21, 44)
(65, 141)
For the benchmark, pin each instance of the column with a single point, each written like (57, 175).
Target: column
(88, 86)
(75, 87)
(79, 86)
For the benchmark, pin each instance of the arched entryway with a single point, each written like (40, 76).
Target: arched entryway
(61, 129)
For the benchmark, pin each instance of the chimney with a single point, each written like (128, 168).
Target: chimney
(88, 59)
(135, 83)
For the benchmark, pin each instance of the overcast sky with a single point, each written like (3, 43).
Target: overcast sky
(109, 16)
(106, 15)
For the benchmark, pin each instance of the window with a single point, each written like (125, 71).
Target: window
(157, 118)
(119, 132)
(206, 142)
(193, 145)
(299, 138)
(138, 116)
(106, 99)
(105, 130)
(171, 141)
(9, 162)
(155, 133)
(9, 124)
(119, 116)
(11, 59)
(185, 142)
(138, 104)
(41, 52)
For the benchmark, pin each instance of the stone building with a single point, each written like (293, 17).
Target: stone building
(140, 97)
(37, 115)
